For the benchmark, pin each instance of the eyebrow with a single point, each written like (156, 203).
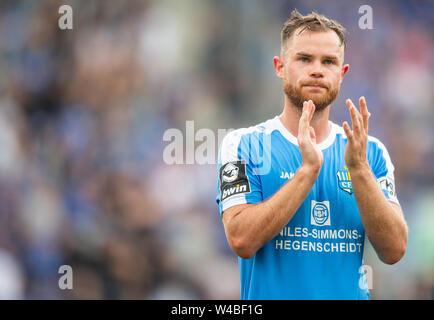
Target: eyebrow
(308, 55)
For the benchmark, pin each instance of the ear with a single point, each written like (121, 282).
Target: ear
(345, 69)
(278, 66)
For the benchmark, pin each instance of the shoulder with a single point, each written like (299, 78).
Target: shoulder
(376, 149)
(373, 142)
(376, 144)
(234, 138)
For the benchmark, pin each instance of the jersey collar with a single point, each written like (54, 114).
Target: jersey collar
(323, 145)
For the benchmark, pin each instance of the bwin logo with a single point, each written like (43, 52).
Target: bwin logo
(233, 190)
(320, 213)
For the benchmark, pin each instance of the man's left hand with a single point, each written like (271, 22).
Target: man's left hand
(355, 153)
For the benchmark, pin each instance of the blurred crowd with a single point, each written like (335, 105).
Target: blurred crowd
(82, 118)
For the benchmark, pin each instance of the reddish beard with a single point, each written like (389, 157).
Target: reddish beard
(296, 96)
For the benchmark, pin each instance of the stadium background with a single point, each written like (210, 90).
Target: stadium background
(83, 112)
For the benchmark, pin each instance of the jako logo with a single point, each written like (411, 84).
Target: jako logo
(320, 213)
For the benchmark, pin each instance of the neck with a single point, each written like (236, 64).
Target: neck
(290, 118)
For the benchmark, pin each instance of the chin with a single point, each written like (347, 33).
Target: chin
(316, 98)
(319, 102)
(315, 94)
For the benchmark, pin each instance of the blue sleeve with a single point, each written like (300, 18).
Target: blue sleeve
(383, 169)
(238, 181)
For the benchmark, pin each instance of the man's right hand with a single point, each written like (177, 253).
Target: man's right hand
(311, 155)
(249, 227)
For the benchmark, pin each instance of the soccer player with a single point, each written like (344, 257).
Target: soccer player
(298, 193)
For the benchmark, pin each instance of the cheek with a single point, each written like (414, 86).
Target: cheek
(292, 74)
(335, 75)
(332, 78)
(337, 80)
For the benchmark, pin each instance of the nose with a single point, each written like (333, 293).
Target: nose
(316, 71)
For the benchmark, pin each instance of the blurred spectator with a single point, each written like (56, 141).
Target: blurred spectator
(11, 281)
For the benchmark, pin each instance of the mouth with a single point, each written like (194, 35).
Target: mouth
(314, 87)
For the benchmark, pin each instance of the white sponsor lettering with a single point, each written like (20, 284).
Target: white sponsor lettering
(233, 190)
(315, 246)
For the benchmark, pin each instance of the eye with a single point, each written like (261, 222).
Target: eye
(328, 61)
(304, 59)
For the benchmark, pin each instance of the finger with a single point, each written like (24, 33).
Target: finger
(355, 117)
(304, 122)
(312, 134)
(304, 129)
(365, 113)
(305, 113)
(311, 109)
(348, 131)
(308, 111)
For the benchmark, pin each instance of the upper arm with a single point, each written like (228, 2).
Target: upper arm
(383, 170)
(237, 182)
(397, 208)
(232, 222)
(232, 212)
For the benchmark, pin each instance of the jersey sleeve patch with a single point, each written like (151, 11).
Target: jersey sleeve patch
(387, 185)
(233, 179)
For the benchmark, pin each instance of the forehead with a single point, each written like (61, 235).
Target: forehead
(315, 42)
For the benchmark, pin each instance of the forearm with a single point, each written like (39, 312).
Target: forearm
(258, 224)
(384, 225)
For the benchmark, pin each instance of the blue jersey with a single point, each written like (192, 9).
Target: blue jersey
(319, 253)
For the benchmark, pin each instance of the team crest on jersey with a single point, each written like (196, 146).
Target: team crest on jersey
(344, 180)
(233, 179)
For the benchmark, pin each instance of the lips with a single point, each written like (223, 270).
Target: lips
(315, 86)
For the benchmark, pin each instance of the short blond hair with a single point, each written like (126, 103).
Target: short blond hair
(312, 22)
